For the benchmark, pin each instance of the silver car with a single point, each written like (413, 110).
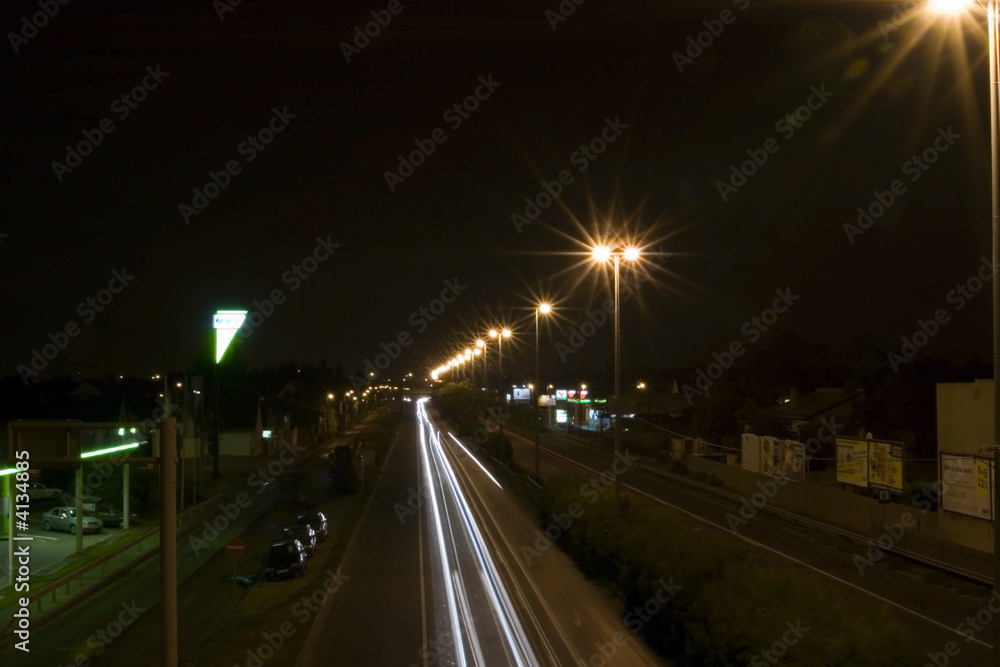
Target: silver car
(64, 518)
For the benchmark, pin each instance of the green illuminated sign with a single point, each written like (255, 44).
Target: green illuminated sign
(226, 324)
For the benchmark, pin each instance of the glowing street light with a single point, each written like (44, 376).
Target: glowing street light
(616, 254)
(949, 6)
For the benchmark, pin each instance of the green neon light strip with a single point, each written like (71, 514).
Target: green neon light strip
(8, 471)
(131, 445)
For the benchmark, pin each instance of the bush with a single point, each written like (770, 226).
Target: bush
(728, 604)
(501, 450)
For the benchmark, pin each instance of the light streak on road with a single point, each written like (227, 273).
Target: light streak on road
(482, 467)
(479, 610)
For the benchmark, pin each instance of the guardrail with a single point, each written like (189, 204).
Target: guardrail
(84, 593)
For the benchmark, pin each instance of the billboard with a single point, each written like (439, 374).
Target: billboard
(967, 485)
(792, 461)
(522, 394)
(852, 461)
(750, 445)
(769, 451)
(885, 466)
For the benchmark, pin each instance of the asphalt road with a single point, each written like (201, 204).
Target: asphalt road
(437, 576)
(933, 604)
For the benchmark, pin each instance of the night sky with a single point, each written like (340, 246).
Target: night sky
(672, 127)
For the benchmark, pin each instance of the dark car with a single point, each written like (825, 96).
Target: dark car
(304, 534)
(114, 517)
(318, 522)
(286, 559)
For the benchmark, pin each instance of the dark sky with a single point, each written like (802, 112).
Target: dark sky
(884, 98)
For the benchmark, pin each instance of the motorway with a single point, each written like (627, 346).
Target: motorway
(436, 575)
(933, 604)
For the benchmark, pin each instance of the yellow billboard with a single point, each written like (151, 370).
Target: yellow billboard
(885, 466)
(852, 461)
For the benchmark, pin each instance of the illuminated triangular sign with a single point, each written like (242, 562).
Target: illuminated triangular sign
(226, 324)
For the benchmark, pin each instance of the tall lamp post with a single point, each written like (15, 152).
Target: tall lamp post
(643, 388)
(544, 309)
(226, 323)
(991, 7)
(500, 335)
(481, 349)
(616, 254)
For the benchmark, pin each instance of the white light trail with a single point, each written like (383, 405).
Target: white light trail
(517, 647)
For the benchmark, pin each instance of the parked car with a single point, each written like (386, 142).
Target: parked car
(318, 522)
(111, 516)
(286, 559)
(304, 534)
(64, 518)
(38, 491)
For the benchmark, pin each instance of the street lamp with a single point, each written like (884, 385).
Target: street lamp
(551, 406)
(991, 7)
(616, 254)
(544, 309)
